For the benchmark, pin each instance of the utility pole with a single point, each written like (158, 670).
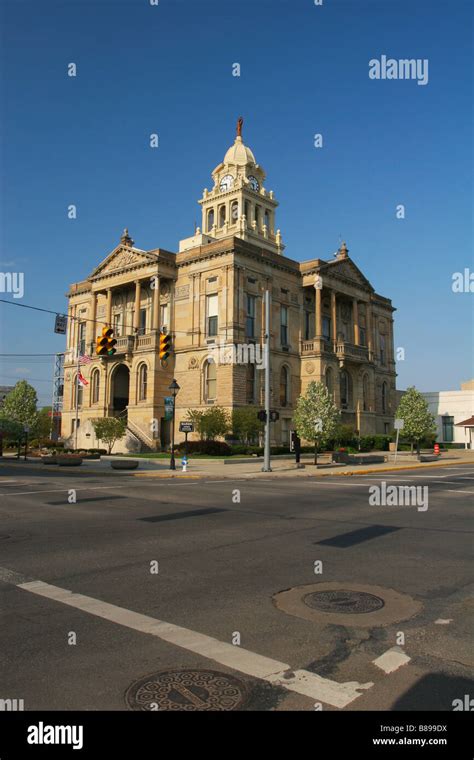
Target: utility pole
(266, 460)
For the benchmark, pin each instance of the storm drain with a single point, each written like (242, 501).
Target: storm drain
(345, 602)
(187, 690)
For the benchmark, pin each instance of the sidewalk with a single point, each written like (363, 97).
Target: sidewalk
(208, 468)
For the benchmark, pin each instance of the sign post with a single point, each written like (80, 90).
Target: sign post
(398, 426)
(186, 427)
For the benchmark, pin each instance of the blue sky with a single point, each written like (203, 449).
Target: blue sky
(167, 69)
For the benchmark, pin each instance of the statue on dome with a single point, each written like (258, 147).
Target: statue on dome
(240, 122)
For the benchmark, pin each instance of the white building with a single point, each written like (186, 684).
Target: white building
(449, 409)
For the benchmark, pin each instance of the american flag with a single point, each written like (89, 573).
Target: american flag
(84, 359)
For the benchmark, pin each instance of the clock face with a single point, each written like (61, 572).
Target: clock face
(254, 183)
(226, 182)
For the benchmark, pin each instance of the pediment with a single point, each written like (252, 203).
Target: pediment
(123, 258)
(346, 270)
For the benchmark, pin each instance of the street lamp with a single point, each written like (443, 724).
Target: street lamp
(174, 388)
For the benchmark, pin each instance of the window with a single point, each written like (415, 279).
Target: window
(164, 318)
(382, 350)
(212, 315)
(77, 395)
(250, 321)
(365, 393)
(285, 431)
(307, 325)
(448, 428)
(266, 220)
(346, 389)
(362, 336)
(284, 325)
(95, 387)
(142, 382)
(221, 216)
(284, 383)
(257, 216)
(250, 384)
(234, 212)
(210, 219)
(330, 381)
(118, 324)
(142, 322)
(210, 380)
(384, 398)
(247, 211)
(326, 328)
(73, 424)
(82, 338)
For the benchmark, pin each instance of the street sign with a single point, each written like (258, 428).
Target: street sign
(399, 424)
(60, 324)
(168, 407)
(186, 427)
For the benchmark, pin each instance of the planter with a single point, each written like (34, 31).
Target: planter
(68, 460)
(49, 459)
(124, 464)
(392, 447)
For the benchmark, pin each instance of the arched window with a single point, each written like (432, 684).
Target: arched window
(384, 398)
(142, 382)
(79, 390)
(266, 220)
(210, 219)
(234, 212)
(257, 216)
(221, 216)
(330, 382)
(284, 386)
(365, 393)
(210, 380)
(250, 384)
(346, 390)
(247, 212)
(95, 386)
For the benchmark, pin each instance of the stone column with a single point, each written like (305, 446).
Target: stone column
(334, 317)
(370, 343)
(355, 319)
(92, 331)
(136, 310)
(108, 308)
(155, 318)
(318, 326)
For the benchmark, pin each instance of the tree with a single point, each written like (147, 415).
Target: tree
(316, 416)
(215, 423)
(10, 430)
(20, 404)
(42, 426)
(195, 416)
(245, 424)
(109, 430)
(418, 422)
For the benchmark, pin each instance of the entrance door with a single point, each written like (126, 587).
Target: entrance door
(120, 389)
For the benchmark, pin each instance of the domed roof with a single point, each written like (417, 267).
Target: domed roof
(239, 154)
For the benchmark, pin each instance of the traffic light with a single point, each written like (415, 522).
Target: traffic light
(106, 342)
(165, 346)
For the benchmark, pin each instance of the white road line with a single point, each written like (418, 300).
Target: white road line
(277, 673)
(457, 490)
(391, 660)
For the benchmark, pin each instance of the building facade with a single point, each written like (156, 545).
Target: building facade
(449, 409)
(327, 323)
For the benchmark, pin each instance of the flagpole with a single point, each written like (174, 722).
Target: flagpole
(77, 386)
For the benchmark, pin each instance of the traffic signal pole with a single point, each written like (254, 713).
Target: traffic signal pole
(266, 458)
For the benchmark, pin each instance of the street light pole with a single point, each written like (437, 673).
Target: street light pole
(174, 388)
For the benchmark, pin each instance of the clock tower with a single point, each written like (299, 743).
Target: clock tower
(239, 204)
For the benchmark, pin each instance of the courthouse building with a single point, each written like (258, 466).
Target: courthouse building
(327, 323)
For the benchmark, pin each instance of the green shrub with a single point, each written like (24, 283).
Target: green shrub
(381, 442)
(211, 448)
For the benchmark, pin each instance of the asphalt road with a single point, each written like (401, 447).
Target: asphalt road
(208, 558)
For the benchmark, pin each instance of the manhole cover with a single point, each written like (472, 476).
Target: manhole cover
(187, 690)
(349, 602)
